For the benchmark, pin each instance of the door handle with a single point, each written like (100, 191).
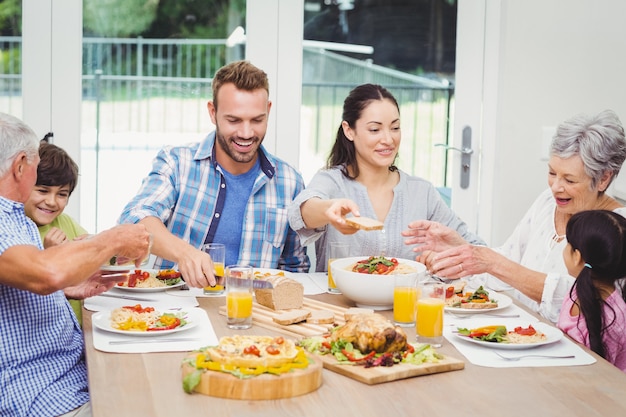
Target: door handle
(466, 155)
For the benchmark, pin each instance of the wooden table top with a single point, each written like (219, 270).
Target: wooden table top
(149, 385)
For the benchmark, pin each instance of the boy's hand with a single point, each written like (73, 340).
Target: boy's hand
(54, 237)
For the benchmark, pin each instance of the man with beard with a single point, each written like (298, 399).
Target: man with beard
(226, 189)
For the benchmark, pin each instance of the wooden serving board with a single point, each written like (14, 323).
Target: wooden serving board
(263, 317)
(379, 374)
(262, 387)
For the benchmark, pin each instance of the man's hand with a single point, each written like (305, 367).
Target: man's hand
(96, 284)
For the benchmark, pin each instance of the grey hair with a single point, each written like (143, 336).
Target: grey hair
(15, 137)
(598, 140)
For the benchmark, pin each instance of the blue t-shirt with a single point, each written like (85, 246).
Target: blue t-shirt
(238, 189)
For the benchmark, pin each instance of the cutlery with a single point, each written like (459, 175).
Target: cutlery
(257, 284)
(126, 297)
(516, 358)
(130, 342)
(474, 316)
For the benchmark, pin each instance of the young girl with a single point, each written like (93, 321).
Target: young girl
(594, 314)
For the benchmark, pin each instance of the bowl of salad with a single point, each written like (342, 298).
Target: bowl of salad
(369, 281)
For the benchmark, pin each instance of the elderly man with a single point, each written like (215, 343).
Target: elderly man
(42, 367)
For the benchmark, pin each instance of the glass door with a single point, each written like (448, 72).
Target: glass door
(146, 69)
(409, 48)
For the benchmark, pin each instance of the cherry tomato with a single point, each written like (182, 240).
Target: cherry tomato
(252, 350)
(272, 350)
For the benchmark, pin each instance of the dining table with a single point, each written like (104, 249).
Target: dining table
(149, 384)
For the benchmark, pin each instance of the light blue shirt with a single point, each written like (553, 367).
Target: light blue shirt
(413, 199)
(42, 368)
(186, 190)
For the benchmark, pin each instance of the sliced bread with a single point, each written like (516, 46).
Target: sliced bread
(364, 223)
(292, 316)
(321, 317)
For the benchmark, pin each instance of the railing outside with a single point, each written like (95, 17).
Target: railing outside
(157, 89)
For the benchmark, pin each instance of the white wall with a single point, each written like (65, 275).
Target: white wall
(555, 59)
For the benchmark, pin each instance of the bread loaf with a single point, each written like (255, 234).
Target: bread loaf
(286, 294)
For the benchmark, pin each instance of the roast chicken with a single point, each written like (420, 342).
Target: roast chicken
(371, 332)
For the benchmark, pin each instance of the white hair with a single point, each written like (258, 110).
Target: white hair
(15, 137)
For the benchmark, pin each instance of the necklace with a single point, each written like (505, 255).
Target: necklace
(556, 239)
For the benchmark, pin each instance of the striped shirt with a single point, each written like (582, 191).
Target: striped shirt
(186, 190)
(42, 368)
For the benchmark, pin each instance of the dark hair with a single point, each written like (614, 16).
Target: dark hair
(56, 167)
(343, 153)
(243, 75)
(600, 237)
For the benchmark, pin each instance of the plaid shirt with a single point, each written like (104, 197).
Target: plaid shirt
(186, 190)
(42, 369)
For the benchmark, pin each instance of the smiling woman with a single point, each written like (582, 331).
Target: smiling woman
(361, 178)
(586, 155)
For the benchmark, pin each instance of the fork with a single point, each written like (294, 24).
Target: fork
(473, 316)
(516, 358)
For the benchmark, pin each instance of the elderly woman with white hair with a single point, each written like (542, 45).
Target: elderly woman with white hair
(586, 155)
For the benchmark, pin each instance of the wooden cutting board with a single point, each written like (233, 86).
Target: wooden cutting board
(262, 316)
(381, 374)
(262, 387)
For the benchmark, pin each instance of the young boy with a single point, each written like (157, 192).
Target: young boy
(57, 175)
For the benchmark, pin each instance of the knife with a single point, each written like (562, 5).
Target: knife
(130, 342)
(257, 284)
(126, 297)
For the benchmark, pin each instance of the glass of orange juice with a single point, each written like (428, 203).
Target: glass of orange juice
(239, 296)
(217, 252)
(405, 299)
(429, 321)
(336, 250)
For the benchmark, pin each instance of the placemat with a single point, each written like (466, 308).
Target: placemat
(115, 298)
(486, 356)
(202, 334)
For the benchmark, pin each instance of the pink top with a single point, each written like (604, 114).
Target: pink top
(614, 337)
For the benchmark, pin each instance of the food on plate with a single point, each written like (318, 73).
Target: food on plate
(370, 340)
(500, 334)
(478, 299)
(364, 223)
(371, 332)
(352, 311)
(380, 265)
(321, 317)
(292, 316)
(245, 357)
(150, 279)
(144, 319)
(287, 293)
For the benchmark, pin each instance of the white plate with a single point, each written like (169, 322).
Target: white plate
(102, 320)
(552, 335)
(151, 289)
(125, 267)
(503, 302)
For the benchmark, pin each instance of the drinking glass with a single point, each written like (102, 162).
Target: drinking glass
(239, 296)
(217, 252)
(405, 299)
(429, 320)
(336, 250)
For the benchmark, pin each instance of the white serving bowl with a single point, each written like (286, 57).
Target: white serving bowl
(368, 291)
